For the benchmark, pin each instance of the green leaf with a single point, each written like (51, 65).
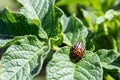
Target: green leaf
(90, 17)
(108, 76)
(87, 3)
(4, 34)
(107, 4)
(89, 40)
(51, 24)
(16, 24)
(64, 21)
(36, 9)
(107, 29)
(118, 39)
(74, 31)
(28, 10)
(110, 59)
(40, 8)
(8, 42)
(100, 20)
(23, 59)
(61, 67)
(25, 22)
(3, 42)
(105, 39)
(98, 5)
(29, 17)
(109, 15)
(89, 44)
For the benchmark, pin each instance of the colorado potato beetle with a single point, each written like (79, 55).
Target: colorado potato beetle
(77, 50)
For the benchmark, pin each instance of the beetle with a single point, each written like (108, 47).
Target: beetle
(78, 50)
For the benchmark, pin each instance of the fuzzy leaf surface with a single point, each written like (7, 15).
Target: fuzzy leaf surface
(61, 67)
(23, 59)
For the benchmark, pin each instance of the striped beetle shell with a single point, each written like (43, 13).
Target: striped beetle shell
(78, 50)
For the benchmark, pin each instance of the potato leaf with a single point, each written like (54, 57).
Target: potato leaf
(23, 59)
(61, 67)
(110, 59)
(74, 31)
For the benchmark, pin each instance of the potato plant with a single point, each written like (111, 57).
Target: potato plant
(36, 40)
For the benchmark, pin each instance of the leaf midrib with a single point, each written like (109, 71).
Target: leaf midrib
(27, 62)
(74, 65)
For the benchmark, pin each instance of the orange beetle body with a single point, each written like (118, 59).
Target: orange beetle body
(78, 50)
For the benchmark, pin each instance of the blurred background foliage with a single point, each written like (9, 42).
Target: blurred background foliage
(102, 17)
(73, 6)
(100, 6)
